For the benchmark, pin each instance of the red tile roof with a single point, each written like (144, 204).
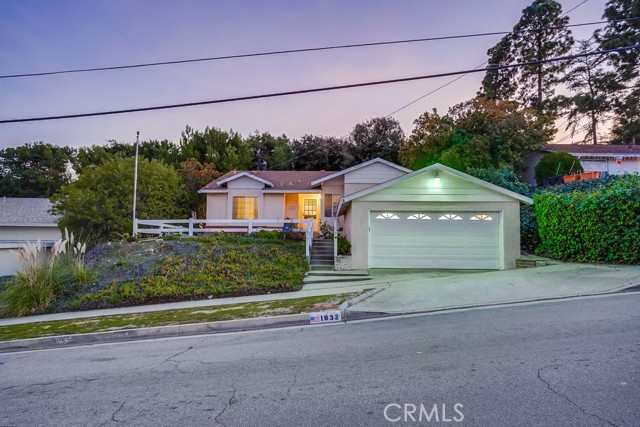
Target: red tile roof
(281, 180)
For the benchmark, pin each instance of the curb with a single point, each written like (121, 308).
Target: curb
(62, 341)
(224, 326)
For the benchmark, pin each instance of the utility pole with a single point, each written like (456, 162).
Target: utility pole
(135, 185)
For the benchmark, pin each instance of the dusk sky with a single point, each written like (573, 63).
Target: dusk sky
(37, 36)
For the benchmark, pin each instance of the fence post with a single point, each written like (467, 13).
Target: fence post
(335, 241)
(250, 227)
(135, 227)
(191, 227)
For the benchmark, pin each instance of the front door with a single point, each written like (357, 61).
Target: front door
(310, 210)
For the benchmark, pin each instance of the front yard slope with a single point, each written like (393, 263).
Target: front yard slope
(178, 269)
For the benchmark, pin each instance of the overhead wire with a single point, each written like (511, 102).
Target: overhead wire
(288, 51)
(312, 90)
(478, 66)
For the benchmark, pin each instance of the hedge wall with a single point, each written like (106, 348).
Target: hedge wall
(599, 226)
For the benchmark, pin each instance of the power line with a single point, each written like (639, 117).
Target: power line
(314, 90)
(485, 62)
(290, 51)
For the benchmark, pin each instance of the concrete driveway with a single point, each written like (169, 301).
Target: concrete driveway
(412, 291)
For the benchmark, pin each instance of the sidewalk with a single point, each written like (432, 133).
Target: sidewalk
(329, 290)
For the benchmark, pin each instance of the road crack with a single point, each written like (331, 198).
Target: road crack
(229, 403)
(580, 408)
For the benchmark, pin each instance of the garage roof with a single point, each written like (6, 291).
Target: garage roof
(435, 167)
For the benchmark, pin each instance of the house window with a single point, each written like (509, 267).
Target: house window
(481, 217)
(245, 207)
(419, 216)
(453, 217)
(331, 202)
(387, 215)
(310, 208)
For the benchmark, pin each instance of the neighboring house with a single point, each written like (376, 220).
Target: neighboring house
(24, 220)
(435, 217)
(612, 159)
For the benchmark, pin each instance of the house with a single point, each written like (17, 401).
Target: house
(436, 217)
(24, 220)
(610, 159)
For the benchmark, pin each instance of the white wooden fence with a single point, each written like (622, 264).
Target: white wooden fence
(193, 226)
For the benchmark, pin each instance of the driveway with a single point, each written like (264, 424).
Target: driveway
(412, 291)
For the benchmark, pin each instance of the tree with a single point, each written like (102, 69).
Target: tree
(479, 133)
(34, 170)
(313, 152)
(540, 34)
(193, 176)
(378, 137)
(590, 84)
(99, 204)
(226, 150)
(554, 164)
(270, 152)
(500, 83)
(626, 98)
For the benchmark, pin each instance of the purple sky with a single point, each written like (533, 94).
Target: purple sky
(46, 36)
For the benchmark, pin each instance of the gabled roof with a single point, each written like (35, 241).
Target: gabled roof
(602, 150)
(231, 176)
(360, 166)
(278, 180)
(435, 167)
(18, 211)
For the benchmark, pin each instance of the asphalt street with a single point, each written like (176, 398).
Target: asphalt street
(568, 363)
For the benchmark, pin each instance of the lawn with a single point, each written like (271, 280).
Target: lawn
(174, 317)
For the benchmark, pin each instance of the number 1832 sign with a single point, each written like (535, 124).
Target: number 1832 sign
(325, 317)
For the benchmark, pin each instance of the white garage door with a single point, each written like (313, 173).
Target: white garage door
(456, 240)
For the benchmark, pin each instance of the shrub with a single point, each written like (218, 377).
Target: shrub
(529, 237)
(504, 177)
(344, 246)
(268, 234)
(43, 277)
(599, 226)
(553, 164)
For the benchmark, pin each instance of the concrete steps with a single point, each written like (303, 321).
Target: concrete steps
(322, 255)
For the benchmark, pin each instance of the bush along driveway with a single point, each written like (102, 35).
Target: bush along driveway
(178, 269)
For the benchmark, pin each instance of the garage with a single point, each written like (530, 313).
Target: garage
(433, 218)
(439, 240)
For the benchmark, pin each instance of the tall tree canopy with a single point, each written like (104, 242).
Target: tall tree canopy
(226, 150)
(590, 85)
(34, 170)
(314, 152)
(479, 133)
(378, 137)
(540, 34)
(99, 204)
(270, 152)
(626, 97)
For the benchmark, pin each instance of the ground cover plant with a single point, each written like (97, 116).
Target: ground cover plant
(174, 269)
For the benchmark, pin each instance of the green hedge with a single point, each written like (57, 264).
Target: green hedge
(602, 225)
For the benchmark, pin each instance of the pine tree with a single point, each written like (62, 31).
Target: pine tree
(540, 34)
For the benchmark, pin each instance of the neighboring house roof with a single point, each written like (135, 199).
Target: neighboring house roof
(277, 180)
(600, 150)
(361, 165)
(347, 200)
(18, 211)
